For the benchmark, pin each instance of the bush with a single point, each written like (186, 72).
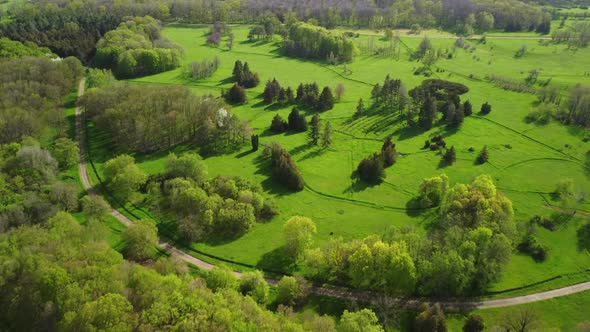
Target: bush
(236, 95)
(533, 247)
(243, 76)
(203, 69)
(221, 278)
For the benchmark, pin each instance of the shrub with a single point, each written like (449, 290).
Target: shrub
(203, 69)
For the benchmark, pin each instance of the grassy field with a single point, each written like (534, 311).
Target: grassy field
(526, 160)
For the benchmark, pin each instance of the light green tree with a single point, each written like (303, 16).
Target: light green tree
(298, 233)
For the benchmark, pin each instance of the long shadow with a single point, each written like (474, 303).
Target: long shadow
(359, 185)
(244, 154)
(313, 154)
(407, 132)
(299, 149)
(277, 260)
(225, 81)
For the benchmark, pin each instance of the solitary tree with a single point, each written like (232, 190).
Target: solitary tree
(298, 233)
(467, 108)
(483, 156)
(255, 142)
(360, 108)
(339, 91)
(327, 137)
(326, 100)
(362, 320)
(485, 108)
(314, 134)
(450, 156)
(66, 152)
(278, 125)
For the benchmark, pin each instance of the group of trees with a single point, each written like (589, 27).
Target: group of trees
(284, 168)
(65, 276)
(308, 41)
(372, 168)
(201, 69)
(575, 35)
(137, 48)
(31, 93)
(464, 252)
(296, 122)
(273, 92)
(243, 76)
(151, 118)
(391, 97)
(223, 207)
(434, 96)
(308, 95)
(10, 49)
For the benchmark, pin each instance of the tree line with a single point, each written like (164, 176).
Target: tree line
(136, 48)
(308, 41)
(152, 118)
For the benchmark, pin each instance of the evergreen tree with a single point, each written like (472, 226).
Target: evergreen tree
(360, 108)
(236, 95)
(388, 152)
(450, 156)
(485, 108)
(238, 72)
(300, 93)
(326, 100)
(371, 169)
(483, 156)
(278, 125)
(297, 121)
(314, 134)
(375, 93)
(427, 113)
(290, 97)
(255, 142)
(467, 108)
(459, 117)
(327, 138)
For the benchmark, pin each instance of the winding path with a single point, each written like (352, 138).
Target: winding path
(340, 293)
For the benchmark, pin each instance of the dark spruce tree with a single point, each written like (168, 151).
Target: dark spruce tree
(278, 125)
(467, 108)
(485, 108)
(360, 109)
(238, 72)
(284, 168)
(427, 113)
(388, 152)
(326, 100)
(314, 133)
(297, 121)
(254, 139)
(483, 156)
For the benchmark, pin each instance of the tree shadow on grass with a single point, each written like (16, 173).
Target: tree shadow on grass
(359, 185)
(270, 184)
(583, 235)
(407, 132)
(225, 81)
(244, 154)
(313, 154)
(277, 260)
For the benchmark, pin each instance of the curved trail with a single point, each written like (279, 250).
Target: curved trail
(340, 293)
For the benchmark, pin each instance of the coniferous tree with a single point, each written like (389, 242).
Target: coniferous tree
(297, 121)
(371, 169)
(450, 156)
(360, 108)
(485, 108)
(326, 100)
(238, 72)
(467, 108)
(388, 152)
(427, 113)
(459, 117)
(290, 97)
(255, 142)
(327, 137)
(236, 95)
(278, 125)
(483, 156)
(314, 134)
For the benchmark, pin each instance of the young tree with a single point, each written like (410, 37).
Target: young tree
(141, 240)
(189, 166)
(360, 109)
(450, 156)
(327, 137)
(230, 41)
(66, 152)
(290, 290)
(339, 91)
(298, 233)
(238, 72)
(483, 156)
(424, 47)
(221, 277)
(314, 134)
(485, 108)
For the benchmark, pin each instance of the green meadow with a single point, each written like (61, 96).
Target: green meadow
(526, 160)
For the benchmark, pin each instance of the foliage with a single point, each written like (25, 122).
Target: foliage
(291, 290)
(123, 176)
(284, 168)
(431, 318)
(95, 207)
(278, 124)
(298, 233)
(99, 78)
(315, 130)
(308, 41)
(474, 323)
(362, 320)
(13, 49)
(433, 190)
(326, 100)
(254, 285)
(141, 240)
(152, 118)
(578, 105)
(297, 121)
(243, 76)
(203, 69)
(371, 168)
(327, 136)
(236, 95)
(220, 278)
(483, 156)
(391, 97)
(450, 156)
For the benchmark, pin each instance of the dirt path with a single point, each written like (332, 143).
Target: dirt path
(340, 293)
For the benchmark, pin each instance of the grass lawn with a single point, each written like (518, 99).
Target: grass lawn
(526, 160)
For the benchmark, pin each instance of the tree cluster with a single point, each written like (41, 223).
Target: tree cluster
(10, 49)
(32, 91)
(273, 92)
(284, 168)
(435, 95)
(391, 96)
(308, 95)
(223, 207)
(308, 41)
(151, 118)
(464, 252)
(65, 276)
(136, 48)
(243, 76)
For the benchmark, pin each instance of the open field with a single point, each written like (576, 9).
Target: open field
(526, 160)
